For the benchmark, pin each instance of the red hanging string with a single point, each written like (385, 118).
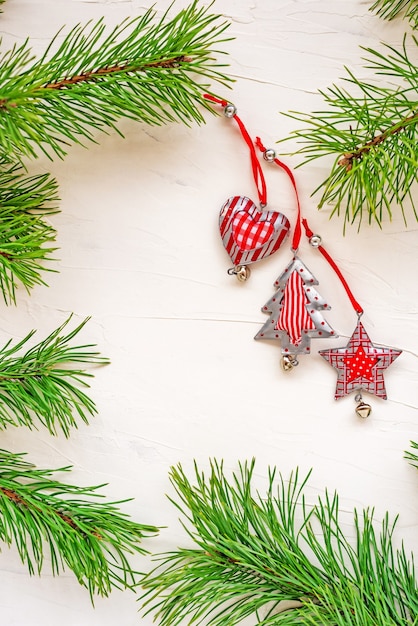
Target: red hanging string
(356, 305)
(255, 164)
(298, 232)
(298, 229)
(262, 194)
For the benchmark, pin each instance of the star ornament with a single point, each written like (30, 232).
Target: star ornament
(360, 365)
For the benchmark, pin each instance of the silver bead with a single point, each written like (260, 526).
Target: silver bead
(269, 155)
(315, 241)
(230, 110)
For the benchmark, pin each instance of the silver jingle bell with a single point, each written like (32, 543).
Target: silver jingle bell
(242, 272)
(315, 241)
(288, 362)
(269, 155)
(230, 110)
(363, 410)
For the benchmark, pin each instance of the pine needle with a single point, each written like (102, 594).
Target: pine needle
(391, 9)
(412, 457)
(42, 516)
(276, 559)
(25, 235)
(44, 384)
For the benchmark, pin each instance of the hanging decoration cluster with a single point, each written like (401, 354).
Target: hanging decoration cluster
(250, 234)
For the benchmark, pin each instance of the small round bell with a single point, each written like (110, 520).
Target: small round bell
(288, 362)
(242, 272)
(363, 410)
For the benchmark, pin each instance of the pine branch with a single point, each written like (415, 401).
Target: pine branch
(373, 136)
(411, 456)
(390, 9)
(44, 383)
(145, 69)
(274, 554)
(42, 516)
(25, 236)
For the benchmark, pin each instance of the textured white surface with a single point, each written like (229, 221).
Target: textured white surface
(140, 252)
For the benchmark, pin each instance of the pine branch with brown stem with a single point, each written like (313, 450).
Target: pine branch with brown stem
(372, 134)
(42, 516)
(275, 559)
(147, 69)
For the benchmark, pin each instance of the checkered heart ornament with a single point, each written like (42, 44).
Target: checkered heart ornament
(249, 233)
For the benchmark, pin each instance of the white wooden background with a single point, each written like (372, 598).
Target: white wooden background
(140, 253)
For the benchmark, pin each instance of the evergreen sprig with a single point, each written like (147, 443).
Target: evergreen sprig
(276, 559)
(372, 133)
(390, 9)
(411, 456)
(43, 384)
(25, 235)
(145, 69)
(94, 539)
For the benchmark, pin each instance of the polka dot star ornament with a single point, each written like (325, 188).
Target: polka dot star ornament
(360, 364)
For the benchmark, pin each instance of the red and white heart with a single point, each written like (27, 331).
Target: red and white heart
(249, 234)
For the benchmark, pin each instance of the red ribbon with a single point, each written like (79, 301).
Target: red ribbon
(259, 179)
(298, 230)
(356, 305)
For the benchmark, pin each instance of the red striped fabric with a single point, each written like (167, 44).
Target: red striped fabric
(227, 214)
(294, 318)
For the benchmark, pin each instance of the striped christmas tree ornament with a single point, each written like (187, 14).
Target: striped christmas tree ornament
(295, 313)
